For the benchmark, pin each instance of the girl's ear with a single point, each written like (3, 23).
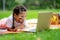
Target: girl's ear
(15, 15)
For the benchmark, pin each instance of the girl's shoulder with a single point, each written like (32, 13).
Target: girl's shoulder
(10, 18)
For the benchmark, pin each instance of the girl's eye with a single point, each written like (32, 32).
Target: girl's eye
(22, 16)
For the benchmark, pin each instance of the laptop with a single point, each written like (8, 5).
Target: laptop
(44, 21)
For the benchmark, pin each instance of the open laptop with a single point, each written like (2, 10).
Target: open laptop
(44, 21)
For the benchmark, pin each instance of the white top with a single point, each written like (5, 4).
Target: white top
(10, 21)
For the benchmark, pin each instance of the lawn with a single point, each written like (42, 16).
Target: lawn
(44, 35)
(30, 13)
(19, 36)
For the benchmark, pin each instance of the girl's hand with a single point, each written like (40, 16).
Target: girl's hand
(20, 27)
(9, 29)
(14, 30)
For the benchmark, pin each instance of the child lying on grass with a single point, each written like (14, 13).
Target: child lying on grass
(17, 19)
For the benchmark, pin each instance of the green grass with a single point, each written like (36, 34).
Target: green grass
(49, 35)
(19, 36)
(30, 13)
(44, 35)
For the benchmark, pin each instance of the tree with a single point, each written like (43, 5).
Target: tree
(1, 4)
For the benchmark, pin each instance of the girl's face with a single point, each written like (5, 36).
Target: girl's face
(20, 17)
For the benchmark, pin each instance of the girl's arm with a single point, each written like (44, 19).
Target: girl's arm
(16, 28)
(20, 27)
(10, 29)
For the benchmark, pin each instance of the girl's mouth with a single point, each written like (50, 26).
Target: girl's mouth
(21, 20)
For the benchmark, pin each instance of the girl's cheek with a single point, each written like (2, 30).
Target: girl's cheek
(21, 21)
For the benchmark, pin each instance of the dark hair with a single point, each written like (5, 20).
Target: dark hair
(17, 11)
(59, 16)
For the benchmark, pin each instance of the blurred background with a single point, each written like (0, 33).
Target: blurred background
(30, 4)
(33, 6)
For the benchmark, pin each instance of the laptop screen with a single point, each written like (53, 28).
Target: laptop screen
(44, 21)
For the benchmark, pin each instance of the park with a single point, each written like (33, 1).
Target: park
(32, 13)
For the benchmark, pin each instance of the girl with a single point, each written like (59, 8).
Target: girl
(59, 18)
(16, 20)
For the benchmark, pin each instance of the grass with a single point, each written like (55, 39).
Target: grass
(19, 36)
(30, 13)
(44, 35)
(49, 35)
